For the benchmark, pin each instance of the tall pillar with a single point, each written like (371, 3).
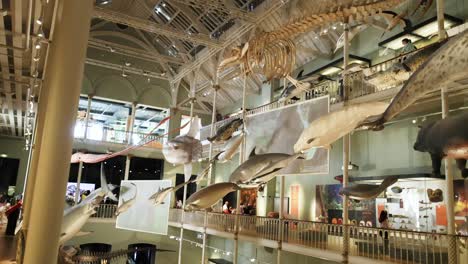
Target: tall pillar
(281, 217)
(78, 181)
(63, 83)
(452, 249)
(346, 140)
(88, 112)
(127, 166)
(441, 19)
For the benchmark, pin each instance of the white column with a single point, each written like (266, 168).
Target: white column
(65, 68)
(449, 200)
(78, 182)
(440, 19)
(346, 142)
(127, 167)
(88, 113)
(281, 217)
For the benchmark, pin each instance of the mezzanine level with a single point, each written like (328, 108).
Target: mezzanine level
(316, 239)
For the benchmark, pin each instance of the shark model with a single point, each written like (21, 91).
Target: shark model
(126, 204)
(159, 197)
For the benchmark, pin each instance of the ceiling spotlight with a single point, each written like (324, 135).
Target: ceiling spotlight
(39, 21)
(252, 260)
(38, 45)
(148, 80)
(111, 49)
(41, 32)
(163, 74)
(334, 27)
(325, 31)
(164, 4)
(228, 253)
(128, 64)
(103, 2)
(36, 58)
(3, 155)
(414, 121)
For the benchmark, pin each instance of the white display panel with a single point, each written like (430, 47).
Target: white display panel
(143, 216)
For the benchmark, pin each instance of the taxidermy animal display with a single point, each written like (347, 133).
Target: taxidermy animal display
(74, 255)
(76, 216)
(367, 191)
(159, 197)
(325, 130)
(184, 149)
(208, 196)
(126, 204)
(445, 138)
(230, 149)
(225, 132)
(259, 169)
(434, 74)
(435, 196)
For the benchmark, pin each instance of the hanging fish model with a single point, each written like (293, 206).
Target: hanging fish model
(184, 149)
(127, 204)
(225, 132)
(325, 130)
(208, 196)
(230, 149)
(440, 69)
(159, 197)
(367, 191)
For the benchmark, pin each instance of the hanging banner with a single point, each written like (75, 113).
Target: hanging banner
(277, 131)
(142, 215)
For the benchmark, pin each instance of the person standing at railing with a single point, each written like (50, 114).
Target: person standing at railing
(383, 220)
(408, 47)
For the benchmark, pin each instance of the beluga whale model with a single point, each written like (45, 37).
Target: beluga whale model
(184, 149)
(362, 192)
(446, 65)
(76, 216)
(322, 132)
(257, 170)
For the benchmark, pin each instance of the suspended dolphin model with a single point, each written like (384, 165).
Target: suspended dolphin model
(259, 169)
(441, 68)
(127, 204)
(367, 191)
(184, 149)
(159, 197)
(325, 130)
(225, 132)
(445, 138)
(76, 216)
(208, 196)
(230, 149)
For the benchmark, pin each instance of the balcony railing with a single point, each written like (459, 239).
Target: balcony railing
(391, 245)
(105, 211)
(120, 137)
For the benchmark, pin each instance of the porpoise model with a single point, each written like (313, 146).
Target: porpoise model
(208, 196)
(445, 138)
(362, 192)
(257, 170)
(322, 132)
(441, 68)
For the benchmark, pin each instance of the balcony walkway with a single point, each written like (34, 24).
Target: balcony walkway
(321, 240)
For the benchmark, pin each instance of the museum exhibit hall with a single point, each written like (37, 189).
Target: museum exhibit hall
(233, 131)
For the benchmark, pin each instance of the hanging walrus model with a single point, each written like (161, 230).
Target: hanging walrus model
(206, 197)
(435, 73)
(445, 138)
(367, 191)
(435, 196)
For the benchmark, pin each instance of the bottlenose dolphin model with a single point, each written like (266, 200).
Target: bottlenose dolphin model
(257, 170)
(230, 149)
(76, 216)
(126, 204)
(445, 138)
(225, 132)
(362, 192)
(322, 132)
(184, 149)
(208, 196)
(444, 66)
(159, 197)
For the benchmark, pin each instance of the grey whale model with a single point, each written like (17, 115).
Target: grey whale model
(208, 196)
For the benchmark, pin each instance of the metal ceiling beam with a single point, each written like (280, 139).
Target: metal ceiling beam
(148, 26)
(132, 52)
(217, 5)
(232, 36)
(133, 70)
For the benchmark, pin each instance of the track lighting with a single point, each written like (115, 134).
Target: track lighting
(39, 20)
(128, 64)
(36, 59)
(38, 45)
(40, 33)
